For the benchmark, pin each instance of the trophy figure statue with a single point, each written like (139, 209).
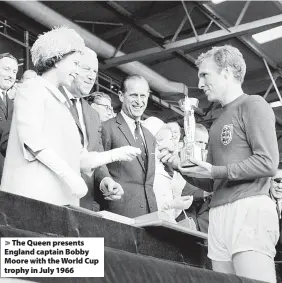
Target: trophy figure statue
(191, 148)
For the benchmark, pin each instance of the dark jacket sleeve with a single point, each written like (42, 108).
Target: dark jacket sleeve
(102, 171)
(5, 137)
(106, 136)
(6, 129)
(190, 190)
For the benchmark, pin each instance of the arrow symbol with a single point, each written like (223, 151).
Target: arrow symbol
(7, 243)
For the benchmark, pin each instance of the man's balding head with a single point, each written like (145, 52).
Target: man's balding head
(87, 73)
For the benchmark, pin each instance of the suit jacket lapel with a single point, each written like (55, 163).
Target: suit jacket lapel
(150, 148)
(88, 121)
(10, 106)
(9, 103)
(124, 128)
(70, 105)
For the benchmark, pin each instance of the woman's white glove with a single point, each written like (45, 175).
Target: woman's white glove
(74, 181)
(94, 159)
(77, 185)
(124, 153)
(179, 203)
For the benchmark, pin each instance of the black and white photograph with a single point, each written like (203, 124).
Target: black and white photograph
(141, 141)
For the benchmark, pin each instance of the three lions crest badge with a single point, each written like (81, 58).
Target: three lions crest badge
(227, 134)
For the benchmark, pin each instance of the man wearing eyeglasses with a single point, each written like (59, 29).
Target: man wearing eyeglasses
(102, 103)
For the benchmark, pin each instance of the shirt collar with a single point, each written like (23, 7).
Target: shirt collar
(69, 95)
(127, 119)
(3, 92)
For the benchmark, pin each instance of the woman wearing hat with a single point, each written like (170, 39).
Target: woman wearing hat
(44, 155)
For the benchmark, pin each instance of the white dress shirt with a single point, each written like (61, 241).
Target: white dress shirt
(80, 116)
(132, 126)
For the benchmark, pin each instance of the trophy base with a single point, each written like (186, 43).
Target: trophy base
(190, 151)
(187, 164)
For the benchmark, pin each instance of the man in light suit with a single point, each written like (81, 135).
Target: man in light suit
(89, 125)
(8, 73)
(137, 176)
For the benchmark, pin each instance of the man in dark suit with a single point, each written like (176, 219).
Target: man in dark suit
(89, 126)
(8, 73)
(137, 176)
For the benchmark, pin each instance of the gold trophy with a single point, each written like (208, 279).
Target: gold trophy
(191, 149)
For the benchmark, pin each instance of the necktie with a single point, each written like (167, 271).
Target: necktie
(278, 207)
(74, 112)
(4, 99)
(140, 143)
